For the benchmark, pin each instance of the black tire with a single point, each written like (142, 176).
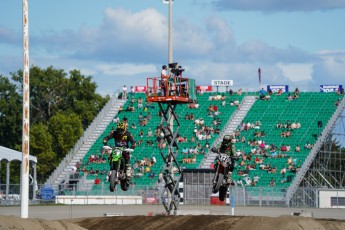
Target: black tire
(217, 186)
(124, 184)
(222, 193)
(113, 180)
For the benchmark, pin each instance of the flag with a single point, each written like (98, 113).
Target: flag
(259, 73)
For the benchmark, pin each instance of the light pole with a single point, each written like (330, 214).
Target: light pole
(170, 60)
(170, 47)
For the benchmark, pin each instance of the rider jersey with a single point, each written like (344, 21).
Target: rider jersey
(228, 149)
(122, 139)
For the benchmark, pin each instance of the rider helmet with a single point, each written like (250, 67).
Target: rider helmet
(227, 138)
(121, 127)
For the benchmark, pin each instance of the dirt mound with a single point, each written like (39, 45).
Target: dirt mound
(211, 222)
(14, 223)
(176, 222)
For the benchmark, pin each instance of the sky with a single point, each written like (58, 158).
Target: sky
(299, 43)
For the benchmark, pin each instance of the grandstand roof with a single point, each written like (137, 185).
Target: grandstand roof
(10, 155)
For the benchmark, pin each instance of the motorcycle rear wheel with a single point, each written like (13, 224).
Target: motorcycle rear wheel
(124, 184)
(222, 192)
(217, 186)
(113, 180)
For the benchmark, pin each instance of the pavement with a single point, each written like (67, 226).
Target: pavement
(60, 212)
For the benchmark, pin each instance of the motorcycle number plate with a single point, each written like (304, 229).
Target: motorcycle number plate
(223, 158)
(116, 154)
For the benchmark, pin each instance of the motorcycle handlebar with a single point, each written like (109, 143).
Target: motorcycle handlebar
(126, 150)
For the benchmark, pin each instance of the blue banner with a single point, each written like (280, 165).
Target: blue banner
(330, 88)
(276, 88)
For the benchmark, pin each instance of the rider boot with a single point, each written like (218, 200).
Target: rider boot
(128, 170)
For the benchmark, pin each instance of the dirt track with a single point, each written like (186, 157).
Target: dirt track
(176, 222)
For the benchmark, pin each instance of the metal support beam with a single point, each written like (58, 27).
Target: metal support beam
(7, 178)
(172, 172)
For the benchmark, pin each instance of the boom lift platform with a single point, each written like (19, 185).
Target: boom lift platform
(169, 93)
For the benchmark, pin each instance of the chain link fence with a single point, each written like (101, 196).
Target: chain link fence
(196, 189)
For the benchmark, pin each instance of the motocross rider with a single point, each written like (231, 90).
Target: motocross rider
(228, 147)
(122, 138)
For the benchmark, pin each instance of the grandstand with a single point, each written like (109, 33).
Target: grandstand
(259, 167)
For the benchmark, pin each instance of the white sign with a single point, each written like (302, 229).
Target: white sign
(222, 82)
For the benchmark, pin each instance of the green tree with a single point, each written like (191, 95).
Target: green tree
(53, 91)
(82, 99)
(62, 105)
(41, 142)
(65, 129)
(10, 114)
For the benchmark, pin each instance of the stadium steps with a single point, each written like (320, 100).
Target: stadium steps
(84, 143)
(308, 161)
(231, 126)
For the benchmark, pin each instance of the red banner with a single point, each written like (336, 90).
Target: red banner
(140, 89)
(204, 88)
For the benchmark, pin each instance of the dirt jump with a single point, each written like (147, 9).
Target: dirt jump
(175, 222)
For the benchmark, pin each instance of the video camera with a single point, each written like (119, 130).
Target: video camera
(176, 69)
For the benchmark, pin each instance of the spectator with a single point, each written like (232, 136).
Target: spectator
(149, 133)
(279, 125)
(308, 146)
(337, 103)
(288, 148)
(272, 182)
(280, 92)
(164, 81)
(132, 90)
(151, 175)
(140, 103)
(297, 149)
(124, 92)
(97, 181)
(116, 119)
(239, 92)
(296, 91)
(289, 97)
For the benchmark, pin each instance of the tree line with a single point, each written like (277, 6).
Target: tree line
(62, 105)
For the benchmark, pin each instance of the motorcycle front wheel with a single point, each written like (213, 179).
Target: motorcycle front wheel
(113, 180)
(219, 183)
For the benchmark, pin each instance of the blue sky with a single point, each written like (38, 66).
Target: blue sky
(294, 42)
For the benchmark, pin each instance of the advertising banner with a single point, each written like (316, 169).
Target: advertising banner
(140, 89)
(204, 88)
(330, 88)
(276, 88)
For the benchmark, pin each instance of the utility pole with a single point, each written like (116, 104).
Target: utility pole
(24, 181)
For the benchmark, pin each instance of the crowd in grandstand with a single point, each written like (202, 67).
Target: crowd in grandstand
(259, 159)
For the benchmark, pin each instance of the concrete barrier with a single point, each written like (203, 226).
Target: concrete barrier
(85, 200)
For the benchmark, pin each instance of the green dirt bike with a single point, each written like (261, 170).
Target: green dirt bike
(118, 169)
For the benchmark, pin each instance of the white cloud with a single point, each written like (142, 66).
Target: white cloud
(125, 69)
(330, 68)
(297, 71)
